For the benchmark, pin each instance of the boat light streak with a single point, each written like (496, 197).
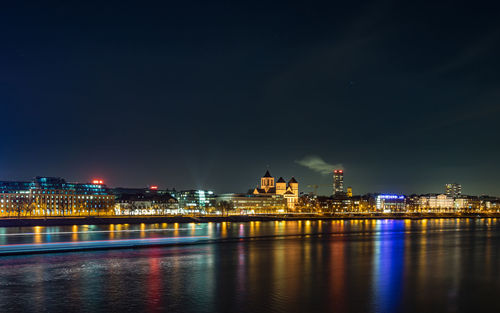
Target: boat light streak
(97, 231)
(94, 244)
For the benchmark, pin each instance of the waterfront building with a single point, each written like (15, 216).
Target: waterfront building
(308, 203)
(436, 203)
(459, 204)
(199, 201)
(413, 203)
(340, 203)
(323, 204)
(289, 191)
(255, 203)
(490, 204)
(391, 203)
(367, 204)
(468, 204)
(338, 182)
(53, 196)
(453, 190)
(144, 201)
(343, 204)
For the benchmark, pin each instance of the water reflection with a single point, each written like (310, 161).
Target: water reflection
(388, 265)
(337, 274)
(74, 237)
(154, 281)
(297, 266)
(37, 237)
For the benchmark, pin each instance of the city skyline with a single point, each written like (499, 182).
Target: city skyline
(249, 156)
(451, 188)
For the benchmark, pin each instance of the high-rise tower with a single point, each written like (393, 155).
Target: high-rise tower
(453, 190)
(338, 182)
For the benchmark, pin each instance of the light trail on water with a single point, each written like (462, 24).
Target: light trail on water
(98, 231)
(63, 246)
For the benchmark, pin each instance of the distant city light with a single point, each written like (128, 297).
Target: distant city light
(97, 182)
(391, 197)
(153, 187)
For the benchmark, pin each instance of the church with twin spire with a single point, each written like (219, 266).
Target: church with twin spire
(290, 190)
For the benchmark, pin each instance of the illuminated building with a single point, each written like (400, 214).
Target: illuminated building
(413, 203)
(195, 200)
(340, 204)
(338, 182)
(289, 191)
(467, 203)
(453, 190)
(460, 204)
(344, 204)
(144, 201)
(349, 191)
(308, 203)
(436, 203)
(53, 196)
(391, 203)
(255, 204)
(490, 204)
(267, 182)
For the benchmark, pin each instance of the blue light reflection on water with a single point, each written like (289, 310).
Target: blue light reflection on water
(340, 266)
(388, 264)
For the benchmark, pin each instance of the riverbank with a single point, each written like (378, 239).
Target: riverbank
(15, 222)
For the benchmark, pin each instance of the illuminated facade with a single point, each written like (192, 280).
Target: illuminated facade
(349, 191)
(289, 191)
(255, 204)
(490, 204)
(453, 190)
(391, 203)
(145, 201)
(195, 200)
(53, 196)
(469, 204)
(440, 203)
(338, 182)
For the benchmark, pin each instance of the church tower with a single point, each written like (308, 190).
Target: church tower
(294, 185)
(280, 186)
(267, 181)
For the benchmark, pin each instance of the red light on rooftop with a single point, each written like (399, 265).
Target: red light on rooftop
(97, 182)
(153, 187)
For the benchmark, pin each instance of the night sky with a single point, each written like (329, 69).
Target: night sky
(204, 94)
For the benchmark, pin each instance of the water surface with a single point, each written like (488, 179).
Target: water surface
(435, 265)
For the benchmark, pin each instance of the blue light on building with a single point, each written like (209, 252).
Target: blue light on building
(390, 203)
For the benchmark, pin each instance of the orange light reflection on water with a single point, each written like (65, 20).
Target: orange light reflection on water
(38, 236)
(74, 236)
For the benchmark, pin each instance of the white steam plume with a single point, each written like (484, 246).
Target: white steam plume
(317, 164)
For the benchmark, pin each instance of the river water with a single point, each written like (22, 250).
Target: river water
(435, 265)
